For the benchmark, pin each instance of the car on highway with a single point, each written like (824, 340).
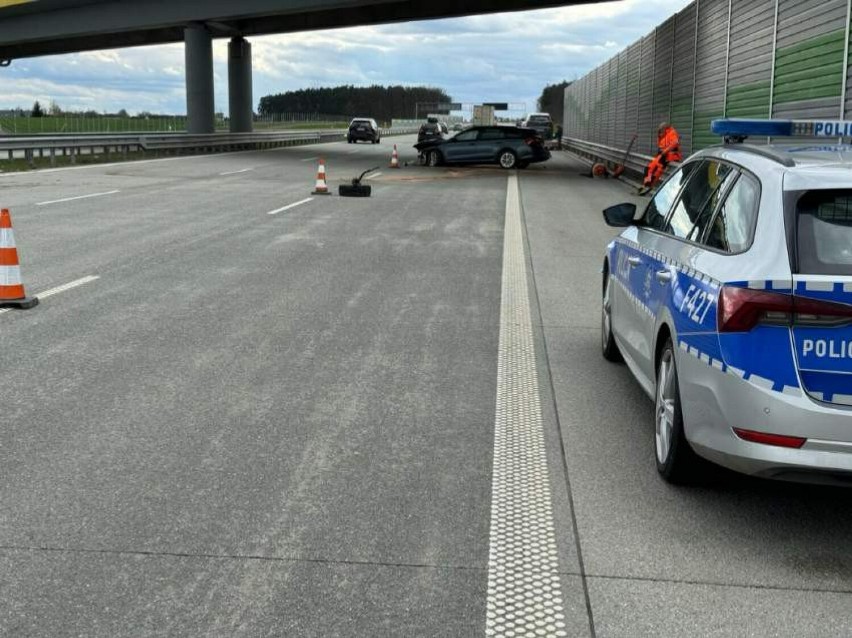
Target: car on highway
(364, 129)
(542, 123)
(508, 146)
(730, 299)
(430, 130)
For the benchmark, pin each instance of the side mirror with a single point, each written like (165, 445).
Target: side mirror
(620, 215)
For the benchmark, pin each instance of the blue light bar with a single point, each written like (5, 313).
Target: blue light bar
(782, 128)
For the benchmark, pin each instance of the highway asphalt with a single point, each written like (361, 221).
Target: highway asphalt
(237, 423)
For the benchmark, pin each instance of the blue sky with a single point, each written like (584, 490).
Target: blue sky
(504, 57)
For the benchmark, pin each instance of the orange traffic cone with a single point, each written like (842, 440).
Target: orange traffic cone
(11, 289)
(394, 158)
(322, 187)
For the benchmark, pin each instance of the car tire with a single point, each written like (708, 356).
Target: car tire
(433, 158)
(677, 463)
(610, 347)
(507, 159)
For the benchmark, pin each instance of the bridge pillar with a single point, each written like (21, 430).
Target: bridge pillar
(239, 85)
(199, 80)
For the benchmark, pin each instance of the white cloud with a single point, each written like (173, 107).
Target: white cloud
(502, 57)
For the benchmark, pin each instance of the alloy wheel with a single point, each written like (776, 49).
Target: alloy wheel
(665, 406)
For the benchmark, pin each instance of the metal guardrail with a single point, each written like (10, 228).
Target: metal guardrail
(75, 145)
(634, 165)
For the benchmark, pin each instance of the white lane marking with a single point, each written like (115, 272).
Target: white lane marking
(353, 152)
(72, 199)
(289, 206)
(309, 159)
(524, 589)
(60, 289)
(374, 175)
(242, 170)
(65, 287)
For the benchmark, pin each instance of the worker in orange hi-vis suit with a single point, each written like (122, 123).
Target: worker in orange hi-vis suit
(668, 150)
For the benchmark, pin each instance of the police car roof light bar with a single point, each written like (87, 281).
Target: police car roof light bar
(739, 129)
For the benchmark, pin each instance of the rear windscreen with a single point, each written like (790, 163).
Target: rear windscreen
(824, 232)
(539, 119)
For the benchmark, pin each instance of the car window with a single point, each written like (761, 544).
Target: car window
(721, 177)
(491, 134)
(703, 180)
(733, 226)
(661, 203)
(467, 136)
(824, 232)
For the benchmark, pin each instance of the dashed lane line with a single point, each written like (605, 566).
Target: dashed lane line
(289, 206)
(72, 199)
(60, 289)
(524, 588)
(309, 159)
(242, 170)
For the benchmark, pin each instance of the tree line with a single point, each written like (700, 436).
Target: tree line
(382, 103)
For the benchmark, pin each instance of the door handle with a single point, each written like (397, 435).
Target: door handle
(664, 276)
(634, 261)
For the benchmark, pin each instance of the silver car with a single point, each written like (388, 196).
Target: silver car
(730, 300)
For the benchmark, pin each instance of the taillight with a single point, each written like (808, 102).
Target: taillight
(532, 140)
(741, 309)
(779, 440)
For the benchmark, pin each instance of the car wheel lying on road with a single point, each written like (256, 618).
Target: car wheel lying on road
(508, 159)
(676, 462)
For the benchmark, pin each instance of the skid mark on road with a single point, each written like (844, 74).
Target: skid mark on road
(60, 289)
(524, 588)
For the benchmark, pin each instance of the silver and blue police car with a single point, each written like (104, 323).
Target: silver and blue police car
(730, 299)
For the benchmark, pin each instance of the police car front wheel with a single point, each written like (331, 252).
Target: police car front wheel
(610, 348)
(676, 462)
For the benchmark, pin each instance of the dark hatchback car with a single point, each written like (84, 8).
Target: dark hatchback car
(366, 129)
(431, 130)
(508, 146)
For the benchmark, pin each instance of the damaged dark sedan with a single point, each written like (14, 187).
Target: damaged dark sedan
(508, 146)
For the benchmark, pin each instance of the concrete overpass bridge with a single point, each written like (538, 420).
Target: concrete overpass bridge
(44, 27)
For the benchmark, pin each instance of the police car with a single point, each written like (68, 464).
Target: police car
(730, 299)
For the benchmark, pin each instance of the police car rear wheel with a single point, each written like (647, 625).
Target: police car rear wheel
(676, 462)
(610, 348)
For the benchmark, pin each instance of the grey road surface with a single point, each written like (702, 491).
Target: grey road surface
(238, 423)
